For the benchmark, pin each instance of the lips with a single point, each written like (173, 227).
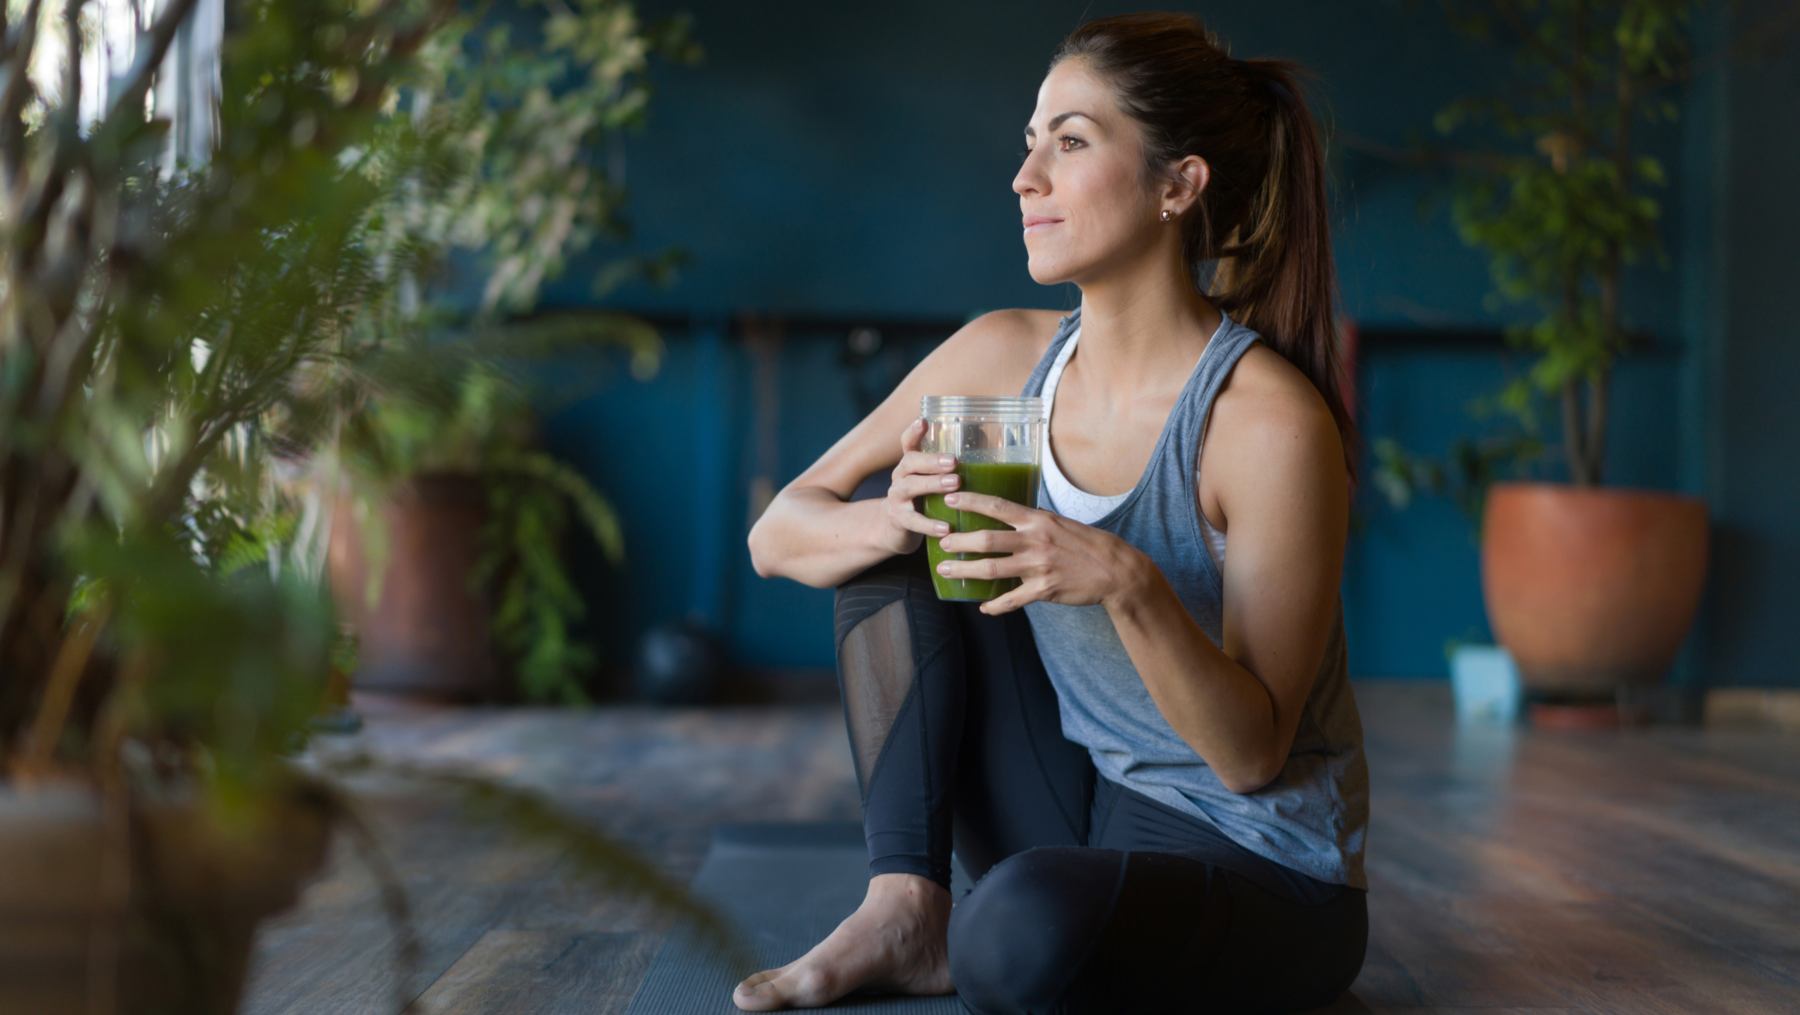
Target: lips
(1038, 220)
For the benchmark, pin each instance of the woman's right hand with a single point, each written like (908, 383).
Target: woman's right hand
(919, 473)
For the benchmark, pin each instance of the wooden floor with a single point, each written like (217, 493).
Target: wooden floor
(1647, 871)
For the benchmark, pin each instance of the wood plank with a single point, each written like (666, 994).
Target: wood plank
(337, 952)
(1653, 870)
(526, 972)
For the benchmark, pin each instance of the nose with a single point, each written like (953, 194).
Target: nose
(1028, 180)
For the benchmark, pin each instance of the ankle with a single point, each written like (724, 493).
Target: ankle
(910, 889)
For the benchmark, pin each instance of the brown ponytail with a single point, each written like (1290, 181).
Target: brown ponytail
(1263, 227)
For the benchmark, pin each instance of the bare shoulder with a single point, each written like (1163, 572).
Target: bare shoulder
(1268, 413)
(1021, 336)
(1265, 389)
(993, 354)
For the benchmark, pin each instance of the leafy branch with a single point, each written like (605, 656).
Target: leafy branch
(1560, 226)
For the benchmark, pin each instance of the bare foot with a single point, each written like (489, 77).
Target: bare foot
(893, 944)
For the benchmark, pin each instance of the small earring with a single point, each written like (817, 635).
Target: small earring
(1167, 214)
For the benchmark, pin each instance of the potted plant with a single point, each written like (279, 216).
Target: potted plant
(166, 337)
(468, 595)
(1591, 588)
(452, 573)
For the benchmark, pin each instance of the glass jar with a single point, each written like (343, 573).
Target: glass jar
(998, 442)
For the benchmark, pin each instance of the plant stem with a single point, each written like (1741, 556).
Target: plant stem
(13, 94)
(1572, 433)
(1625, 92)
(71, 662)
(1596, 435)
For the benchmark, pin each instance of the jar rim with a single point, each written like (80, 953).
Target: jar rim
(1029, 406)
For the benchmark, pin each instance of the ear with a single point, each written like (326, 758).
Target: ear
(1188, 178)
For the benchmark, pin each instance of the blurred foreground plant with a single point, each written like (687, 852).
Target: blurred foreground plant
(169, 343)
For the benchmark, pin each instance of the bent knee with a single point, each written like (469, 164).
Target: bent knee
(1018, 939)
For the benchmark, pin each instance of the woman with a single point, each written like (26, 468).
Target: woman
(1147, 755)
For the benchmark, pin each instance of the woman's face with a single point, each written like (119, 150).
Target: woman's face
(1085, 172)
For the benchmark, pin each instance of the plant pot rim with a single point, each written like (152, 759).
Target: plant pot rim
(1544, 488)
(181, 879)
(202, 858)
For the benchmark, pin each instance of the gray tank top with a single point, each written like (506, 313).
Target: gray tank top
(1314, 816)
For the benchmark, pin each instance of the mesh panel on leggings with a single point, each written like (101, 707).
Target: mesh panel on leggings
(875, 667)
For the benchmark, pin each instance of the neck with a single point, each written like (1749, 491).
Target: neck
(1141, 327)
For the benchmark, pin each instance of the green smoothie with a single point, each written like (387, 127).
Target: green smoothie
(1014, 481)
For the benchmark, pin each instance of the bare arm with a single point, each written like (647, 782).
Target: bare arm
(1238, 704)
(819, 538)
(811, 533)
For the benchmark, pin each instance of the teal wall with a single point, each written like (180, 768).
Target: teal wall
(851, 168)
(1746, 318)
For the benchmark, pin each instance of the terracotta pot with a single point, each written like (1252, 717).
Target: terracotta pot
(428, 633)
(80, 933)
(1591, 589)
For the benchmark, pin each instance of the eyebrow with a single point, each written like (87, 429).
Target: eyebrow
(1056, 121)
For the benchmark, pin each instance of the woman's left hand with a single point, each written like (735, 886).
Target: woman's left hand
(1058, 559)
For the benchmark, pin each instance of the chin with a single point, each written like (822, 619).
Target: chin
(1045, 273)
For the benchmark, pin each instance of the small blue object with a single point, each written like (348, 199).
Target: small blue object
(1485, 683)
(679, 663)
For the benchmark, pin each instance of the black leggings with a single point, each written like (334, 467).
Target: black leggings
(1089, 896)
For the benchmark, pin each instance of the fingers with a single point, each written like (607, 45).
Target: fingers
(919, 474)
(924, 463)
(913, 460)
(983, 569)
(911, 436)
(984, 541)
(998, 508)
(903, 515)
(904, 492)
(910, 439)
(902, 501)
(925, 476)
(1007, 603)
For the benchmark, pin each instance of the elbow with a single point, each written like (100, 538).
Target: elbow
(1239, 786)
(758, 557)
(1244, 783)
(1244, 787)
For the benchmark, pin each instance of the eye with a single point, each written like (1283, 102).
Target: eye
(1026, 153)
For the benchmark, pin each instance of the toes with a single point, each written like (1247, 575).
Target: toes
(756, 994)
(813, 987)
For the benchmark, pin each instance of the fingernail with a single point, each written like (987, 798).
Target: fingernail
(950, 498)
(949, 480)
(946, 461)
(944, 568)
(943, 527)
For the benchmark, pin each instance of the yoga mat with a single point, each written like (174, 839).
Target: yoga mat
(785, 886)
